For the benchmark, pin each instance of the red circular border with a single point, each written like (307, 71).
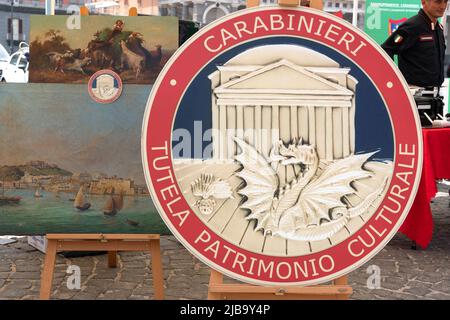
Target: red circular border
(159, 118)
(96, 75)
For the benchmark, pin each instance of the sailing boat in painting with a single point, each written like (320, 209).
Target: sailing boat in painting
(37, 194)
(114, 204)
(79, 201)
(132, 222)
(8, 199)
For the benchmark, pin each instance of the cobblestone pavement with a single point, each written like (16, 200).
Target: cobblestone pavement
(405, 273)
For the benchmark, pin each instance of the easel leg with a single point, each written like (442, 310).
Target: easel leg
(112, 259)
(342, 281)
(47, 273)
(214, 279)
(158, 277)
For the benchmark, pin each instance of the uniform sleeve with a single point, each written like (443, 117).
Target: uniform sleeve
(398, 41)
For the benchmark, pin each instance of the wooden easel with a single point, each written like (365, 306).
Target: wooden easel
(217, 290)
(337, 290)
(103, 242)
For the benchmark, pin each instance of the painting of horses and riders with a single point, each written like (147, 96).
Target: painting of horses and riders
(134, 47)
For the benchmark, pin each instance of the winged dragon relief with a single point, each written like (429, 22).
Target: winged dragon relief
(310, 207)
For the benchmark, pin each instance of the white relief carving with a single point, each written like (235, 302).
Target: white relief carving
(310, 206)
(206, 187)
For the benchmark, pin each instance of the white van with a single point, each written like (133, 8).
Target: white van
(16, 70)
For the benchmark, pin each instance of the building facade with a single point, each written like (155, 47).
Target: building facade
(122, 7)
(346, 7)
(204, 12)
(14, 27)
(199, 11)
(15, 23)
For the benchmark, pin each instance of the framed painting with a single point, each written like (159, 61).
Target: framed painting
(134, 47)
(71, 165)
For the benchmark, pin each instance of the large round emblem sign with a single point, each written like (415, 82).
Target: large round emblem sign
(282, 146)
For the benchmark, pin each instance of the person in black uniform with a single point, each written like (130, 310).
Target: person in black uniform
(420, 45)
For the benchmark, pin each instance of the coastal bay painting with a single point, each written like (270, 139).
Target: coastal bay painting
(70, 165)
(134, 47)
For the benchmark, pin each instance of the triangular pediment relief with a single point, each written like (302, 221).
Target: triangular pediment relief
(280, 76)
